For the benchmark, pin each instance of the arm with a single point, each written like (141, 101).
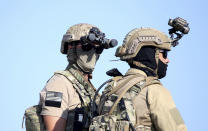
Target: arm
(164, 114)
(54, 123)
(57, 98)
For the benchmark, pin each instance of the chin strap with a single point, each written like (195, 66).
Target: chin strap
(157, 60)
(139, 64)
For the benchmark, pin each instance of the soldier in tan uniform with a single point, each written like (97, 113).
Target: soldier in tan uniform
(67, 95)
(137, 101)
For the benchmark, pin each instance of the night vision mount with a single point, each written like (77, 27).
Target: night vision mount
(96, 36)
(179, 28)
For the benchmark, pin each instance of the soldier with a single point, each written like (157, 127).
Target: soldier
(67, 95)
(137, 100)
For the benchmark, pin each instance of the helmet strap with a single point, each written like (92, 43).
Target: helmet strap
(139, 64)
(157, 60)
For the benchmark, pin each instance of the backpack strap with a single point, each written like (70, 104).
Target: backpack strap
(68, 75)
(115, 80)
(121, 84)
(127, 85)
(151, 81)
(130, 83)
(85, 97)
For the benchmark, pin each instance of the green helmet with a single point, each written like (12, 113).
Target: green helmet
(74, 33)
(139, 37)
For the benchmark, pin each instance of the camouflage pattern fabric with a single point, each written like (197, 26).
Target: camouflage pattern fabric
(86, 92)
(113, 114)
(34, 121)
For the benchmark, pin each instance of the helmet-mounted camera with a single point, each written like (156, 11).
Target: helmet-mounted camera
(178, 25)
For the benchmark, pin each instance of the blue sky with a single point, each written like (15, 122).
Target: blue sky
(31, 33)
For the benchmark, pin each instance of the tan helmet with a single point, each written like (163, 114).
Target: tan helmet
(139, 37)
(74, 33)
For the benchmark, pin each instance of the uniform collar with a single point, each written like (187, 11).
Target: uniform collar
(134, 71)
(80, 77)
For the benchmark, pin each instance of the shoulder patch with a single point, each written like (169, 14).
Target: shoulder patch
(53, 99)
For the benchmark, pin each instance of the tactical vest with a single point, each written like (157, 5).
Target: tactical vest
(86, 94)
(78, 119)
(116, 110)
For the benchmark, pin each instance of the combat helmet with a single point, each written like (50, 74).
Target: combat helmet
(74, 33)
(138, 38)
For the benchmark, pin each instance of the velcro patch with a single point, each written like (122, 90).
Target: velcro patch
(176, 116)
(53, 99)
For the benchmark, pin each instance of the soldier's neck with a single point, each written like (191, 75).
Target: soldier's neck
(75, 67)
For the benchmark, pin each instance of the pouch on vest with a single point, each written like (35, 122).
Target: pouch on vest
(85, 92)
(108, 123)
(117, 111)
(80, 119)
(113, 122)
(33, 119)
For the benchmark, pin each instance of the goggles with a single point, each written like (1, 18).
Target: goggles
(164, 52)
(86, 47)
(98, 49)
